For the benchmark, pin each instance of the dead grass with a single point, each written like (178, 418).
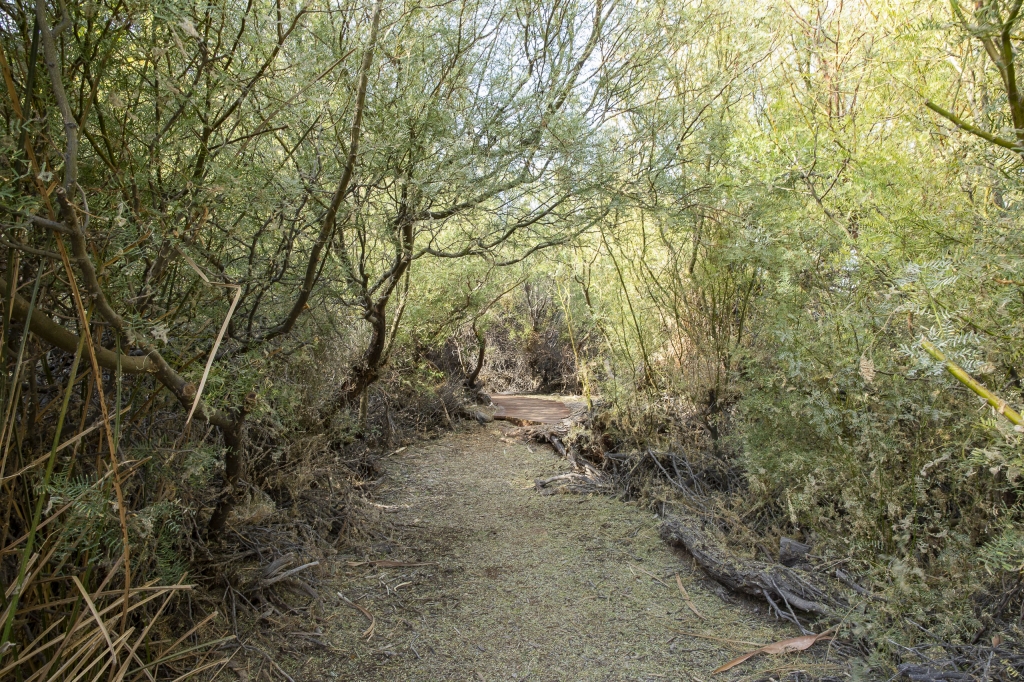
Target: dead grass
(520, 585)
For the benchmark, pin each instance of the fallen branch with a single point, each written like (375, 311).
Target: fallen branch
(585, 478)
(389, 564)
(274, 573)
(287, 574)
(756, 578)
(724, 640)
(920, 673)
(572, 483)
(277, 564)
(849, 582)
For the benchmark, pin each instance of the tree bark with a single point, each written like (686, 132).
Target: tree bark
(234, 450)
(481, 341)
(367, 370)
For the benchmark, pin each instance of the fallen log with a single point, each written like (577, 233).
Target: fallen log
(585, 477)
(550, 434)
(781, 586)
(792, 552)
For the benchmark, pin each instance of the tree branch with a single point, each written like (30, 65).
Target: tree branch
(974, 130)
(151, 363)
(52, 62)
(331, 218)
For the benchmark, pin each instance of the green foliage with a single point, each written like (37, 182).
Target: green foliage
(1005, 552)
(762, 299)
(92, 527)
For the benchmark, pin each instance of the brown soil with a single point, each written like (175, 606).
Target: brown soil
(529, 409)
(521, 586)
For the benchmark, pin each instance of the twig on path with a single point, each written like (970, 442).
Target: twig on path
(632, 566)
(273, 663)
(266, 582)
(368, 632)
(717, 639)
(686, 598)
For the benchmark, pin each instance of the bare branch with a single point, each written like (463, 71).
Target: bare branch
(52, 61)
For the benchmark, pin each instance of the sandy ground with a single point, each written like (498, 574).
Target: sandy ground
(522, 586)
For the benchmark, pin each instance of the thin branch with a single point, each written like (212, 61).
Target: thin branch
(330, 219)
(29, 249)
(52, 62)
(974, 130)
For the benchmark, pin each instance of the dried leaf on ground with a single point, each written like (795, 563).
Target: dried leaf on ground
(686, 598)
(784, 647)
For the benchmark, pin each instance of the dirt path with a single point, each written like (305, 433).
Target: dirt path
(521, 586)
(529, 408)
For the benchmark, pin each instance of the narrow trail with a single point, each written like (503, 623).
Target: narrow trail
(531, 408)
(521, 586)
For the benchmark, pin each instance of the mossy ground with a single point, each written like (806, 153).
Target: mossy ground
(523, 586)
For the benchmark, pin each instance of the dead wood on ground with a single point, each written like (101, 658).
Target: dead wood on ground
(585, 477)
(785, 589)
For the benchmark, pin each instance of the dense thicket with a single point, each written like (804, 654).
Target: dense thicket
(839, 193)
(734, 227)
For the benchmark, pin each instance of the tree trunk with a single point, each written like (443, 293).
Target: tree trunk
(481, 341)
(367, 370)
(233, 435)
(364, 407)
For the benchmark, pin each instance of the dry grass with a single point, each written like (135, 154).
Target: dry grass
(114, 636)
